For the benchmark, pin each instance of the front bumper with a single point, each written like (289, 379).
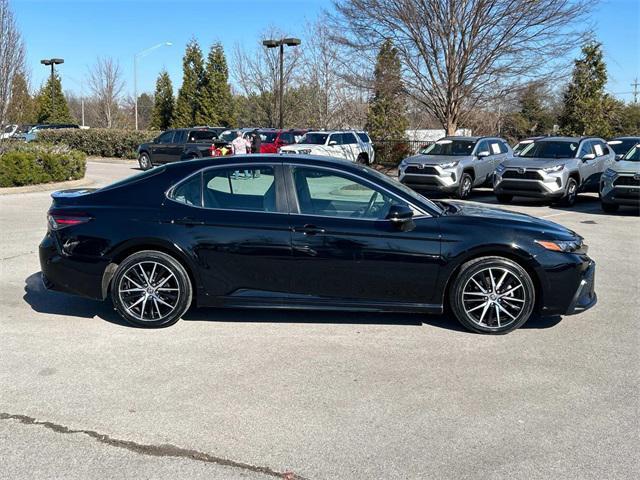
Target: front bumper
(429, 177)
(585, 296)
(621, 190)
(529, 183)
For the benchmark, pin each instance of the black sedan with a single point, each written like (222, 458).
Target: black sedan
(307, 233)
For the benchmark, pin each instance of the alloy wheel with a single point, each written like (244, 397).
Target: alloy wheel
(149, 291)
(494, 297)
(466, 187)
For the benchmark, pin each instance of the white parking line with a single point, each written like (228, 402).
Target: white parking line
(568, 213)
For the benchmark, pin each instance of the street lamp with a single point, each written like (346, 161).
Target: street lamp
(141, 54)
(52, 62)
(271, 43)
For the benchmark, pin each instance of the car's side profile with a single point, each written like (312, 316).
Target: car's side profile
(346, 145)
(455, 165)
(306, 232)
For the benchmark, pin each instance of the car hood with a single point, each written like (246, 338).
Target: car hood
(521, 221)
(435, 159)
(626, 166)
(519, 162)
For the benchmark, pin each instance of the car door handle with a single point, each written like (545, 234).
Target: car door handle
(187, 221)
(309, 230)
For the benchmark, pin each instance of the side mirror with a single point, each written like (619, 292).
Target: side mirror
(483, 154)
(401, 216)
(332, 143)
(619, 157)
(588, 156)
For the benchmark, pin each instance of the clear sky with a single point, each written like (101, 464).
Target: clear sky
(81, 30)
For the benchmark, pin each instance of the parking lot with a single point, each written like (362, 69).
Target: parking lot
(257, 394)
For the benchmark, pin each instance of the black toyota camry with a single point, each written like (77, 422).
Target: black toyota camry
(305, 232)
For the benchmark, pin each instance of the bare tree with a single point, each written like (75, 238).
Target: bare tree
(460, 54)
(106, 84)
(12, 54)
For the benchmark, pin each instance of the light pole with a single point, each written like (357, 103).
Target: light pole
(141, 54)
(52, 62)
(289, 42)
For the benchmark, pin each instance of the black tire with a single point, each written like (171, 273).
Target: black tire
(609, 207)
(476, 269)
(464, 187)
(571, 193)
(125, 301)
(504, 197)
(362, 159)
(145, 161)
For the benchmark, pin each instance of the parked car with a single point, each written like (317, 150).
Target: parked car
(454, 165)
(621, 145)
(620, 183)
(554, 168)
(306, 232)
(273, 139)
(21, 131)
(8, 131)
(180, 144)
(217, 130)
(31, 133)
(338, 144)
(521, 145)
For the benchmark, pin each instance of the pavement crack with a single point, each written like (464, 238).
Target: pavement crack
(17, 255)
(166, 450)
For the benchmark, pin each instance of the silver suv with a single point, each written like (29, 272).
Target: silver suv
(455, 165)
(556, 168)
(620, 183)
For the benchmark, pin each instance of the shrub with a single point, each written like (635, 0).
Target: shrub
(30, 164)
(391, 152)
(99, 142)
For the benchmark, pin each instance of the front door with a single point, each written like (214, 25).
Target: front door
(345, 249)
(235, 222)
(160, 149)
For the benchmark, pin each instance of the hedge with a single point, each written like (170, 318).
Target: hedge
(99, 142)
(30, 164)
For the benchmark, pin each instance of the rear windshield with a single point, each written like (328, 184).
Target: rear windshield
(314, 138)
(201, 136)
(622, 146)
(550, 149)
(450, 148)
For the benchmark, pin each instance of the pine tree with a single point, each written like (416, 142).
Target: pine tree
(536, 117)
(51, 104)
(21, 105)
(386, 118)
(189, 111)
(217, 101)
(585, 100)
(164, 104)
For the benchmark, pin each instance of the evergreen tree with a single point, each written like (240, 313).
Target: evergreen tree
(51, 104)
(164, 104)
(189, 111)
(585, 100)
(217, 101)
(21, 105)
(386, 119)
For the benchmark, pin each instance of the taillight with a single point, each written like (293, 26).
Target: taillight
(61, 219)
(212, 150)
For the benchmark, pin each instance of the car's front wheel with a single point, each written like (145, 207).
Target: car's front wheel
(492, 295)
(571, 193)
(144, 161)
(465, 186)
(151, 289)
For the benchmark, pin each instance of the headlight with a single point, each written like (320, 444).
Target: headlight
(449, 165)
(610, 173)
(500, 168)
(557, 168)
(568, 246)
(304, 151)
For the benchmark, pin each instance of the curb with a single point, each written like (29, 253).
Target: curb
(123, 161)
(47, 187)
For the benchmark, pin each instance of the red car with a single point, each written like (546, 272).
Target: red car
(272, 139)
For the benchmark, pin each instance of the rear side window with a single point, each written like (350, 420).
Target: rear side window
(189, 192)
(240, 188)
(349, 138)
(364, 137)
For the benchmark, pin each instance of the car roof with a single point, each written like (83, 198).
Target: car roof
(567, 139)
(627, 138)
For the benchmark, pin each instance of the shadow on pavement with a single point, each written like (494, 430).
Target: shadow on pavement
(46, 301)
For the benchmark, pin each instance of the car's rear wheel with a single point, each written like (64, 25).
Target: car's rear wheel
(610, 207)
(504, 198)
(144, 161)
(465, 186)
(492, 295)
(151, 289)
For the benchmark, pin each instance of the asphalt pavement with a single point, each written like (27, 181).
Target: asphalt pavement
(262, 394)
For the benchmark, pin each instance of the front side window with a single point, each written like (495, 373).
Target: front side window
(314, 138)
(336, 137)
(166, 137)
(327, 193)
(450, 147)
(483, 146)
(585, 148)
(240, 188)
(349, 139)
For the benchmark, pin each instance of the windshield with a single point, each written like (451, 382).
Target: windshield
(228, 135)
(8, 129)
(522, 145)
(633, 155)
(268, 137)
(550, 149)
(406, 190)
(450, 148)
(24, 128)
(201, 135)
(314, 138)
(622, 146)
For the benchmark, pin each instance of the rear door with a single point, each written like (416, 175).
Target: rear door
(587, 168)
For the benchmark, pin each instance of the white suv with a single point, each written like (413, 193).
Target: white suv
(346, 145)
